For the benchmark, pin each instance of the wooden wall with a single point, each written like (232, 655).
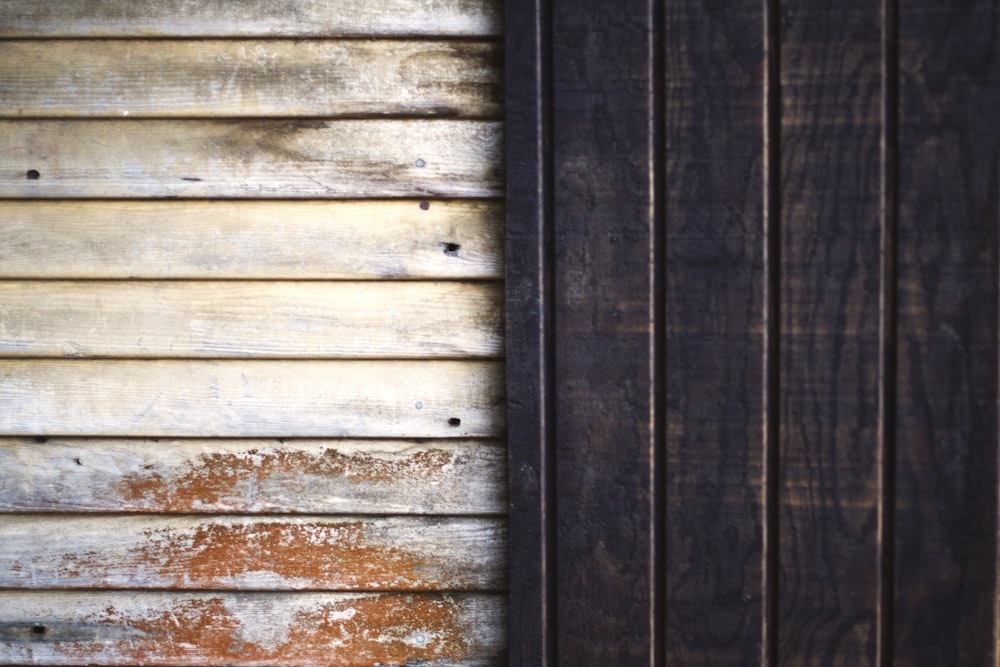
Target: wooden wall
(251, 336)
(754, 282)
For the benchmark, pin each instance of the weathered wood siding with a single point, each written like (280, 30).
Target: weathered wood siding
(251, 333)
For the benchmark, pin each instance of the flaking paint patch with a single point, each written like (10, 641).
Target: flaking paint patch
(358, 631)
(231, 478)
(301, 554)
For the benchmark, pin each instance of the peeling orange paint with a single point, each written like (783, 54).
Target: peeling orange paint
(212, 480)
(386, 629)
(319, 555)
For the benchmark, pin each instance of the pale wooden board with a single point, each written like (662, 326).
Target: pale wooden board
(253, 552)
(198, 78)
(248, 18)
(169, 629)
(414, 399)
(294, 476)
(285, 159)
(250, 319)
(256, 239)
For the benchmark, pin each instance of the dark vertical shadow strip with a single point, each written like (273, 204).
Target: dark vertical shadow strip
(658, 333)
(772, 346)
(888, 327)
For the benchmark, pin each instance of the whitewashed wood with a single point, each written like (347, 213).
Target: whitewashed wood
(249, 18)
(167, 629)
(156, 78)
(252, 552)
(256, 239)
(284, 159)
(250, 319)
(414, 399)
(294, 476)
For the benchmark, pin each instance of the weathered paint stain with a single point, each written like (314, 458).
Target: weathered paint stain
(359, 554)
(214, 477)
(386, 629)
(316, 555)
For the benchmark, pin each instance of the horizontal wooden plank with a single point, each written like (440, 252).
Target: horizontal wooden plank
(250, 319)
(282, 159)
(167, 629)
(258, 239)
(252, 552)
(415, 399)
(158, 78)
(249, 18)
(295, 476)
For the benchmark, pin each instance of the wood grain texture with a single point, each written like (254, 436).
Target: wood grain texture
(283, 159)
(946, 502)
(406, 399)
(532, 636)
(830, 207)
(157, 78)
(714, 334)
(250, 18)
(246, 476)
(252, 552)
(168, 629)
(604, 361)
(250, 319)
(259, 239)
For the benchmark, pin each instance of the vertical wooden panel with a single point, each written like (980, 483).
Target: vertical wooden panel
(831, 84)
(604, 136)
(529, 334)
(947, 413)
(715, 320)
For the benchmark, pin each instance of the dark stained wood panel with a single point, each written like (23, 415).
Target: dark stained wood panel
(714, 337)
(249, 79)
(252, 159)
(830, 290)
(859, 313)
(605, 375)
(249, 18)
(715, 332)
(949, 208)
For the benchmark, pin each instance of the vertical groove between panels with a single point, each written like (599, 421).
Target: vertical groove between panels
(996, 402)
(772, 328)
(888, 331)
(658, 333)
(545, 95)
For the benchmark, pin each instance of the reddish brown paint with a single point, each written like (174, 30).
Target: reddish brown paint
(383, 629)
(212, 480)
(305, 555)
